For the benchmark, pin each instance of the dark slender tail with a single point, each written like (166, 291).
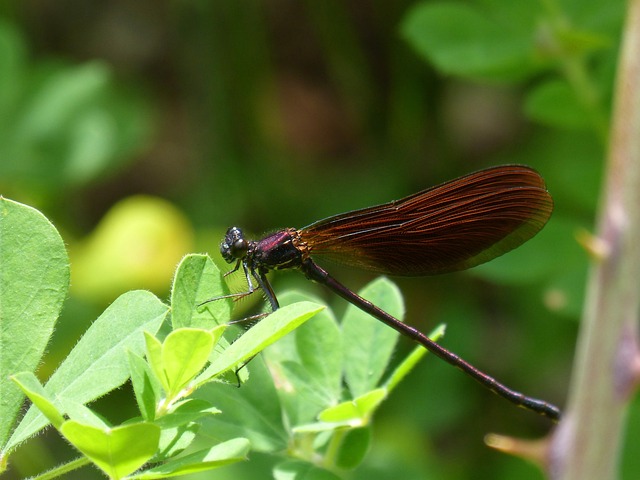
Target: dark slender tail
(316, 273)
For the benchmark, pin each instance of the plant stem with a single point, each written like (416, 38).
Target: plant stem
(63, 469)
(587, 442)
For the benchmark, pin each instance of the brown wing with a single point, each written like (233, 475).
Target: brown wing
(453, 226)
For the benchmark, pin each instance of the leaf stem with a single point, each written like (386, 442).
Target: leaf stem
(587, 443)
(63, 469)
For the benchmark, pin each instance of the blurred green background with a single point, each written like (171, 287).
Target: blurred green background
(144, 129)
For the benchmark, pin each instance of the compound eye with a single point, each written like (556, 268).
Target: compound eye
(239, 248)
(234, 246)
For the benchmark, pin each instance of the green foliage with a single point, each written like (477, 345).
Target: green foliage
(177, 377)
(118, 451)
(515, 41)
(564, 53)
(222, 454)
(98, 363)
(34, 279)
(180, 357)
(370, 344)
(460, 39)
(254, 154)
(66, 124)
(555, 103)
(296, 401)
(196, 279)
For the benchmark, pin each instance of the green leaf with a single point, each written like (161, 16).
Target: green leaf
(258, 337)
(316, 345)
(461, 40)
(225, 453)
(154, 357)
(117, 451)
(298, 470)
(320, 347)
(197, 280)
(175, 440)
(554, 103)
(354, 445)
(146, 386)
(184, 353)
(71, 125)
(369, 343)
(309, 362)
(252, 411)
(356, 412)
(187, 411)
(33, 389)
(34, 279)
(99, 362)
(83, 414)
(59, 99)
(359, 411)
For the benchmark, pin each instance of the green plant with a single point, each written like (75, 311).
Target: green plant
(64, 125)
(558, 56)
(566, 51)
(184, 375)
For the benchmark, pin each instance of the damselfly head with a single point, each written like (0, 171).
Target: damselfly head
(235, 246)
